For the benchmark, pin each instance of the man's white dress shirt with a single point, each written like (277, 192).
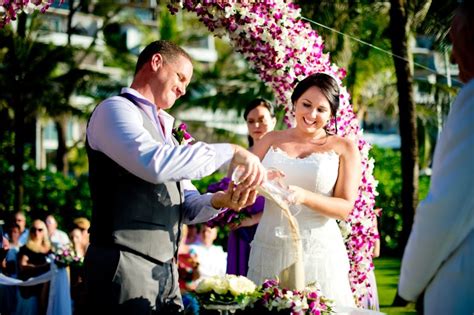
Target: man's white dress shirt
(116, 129)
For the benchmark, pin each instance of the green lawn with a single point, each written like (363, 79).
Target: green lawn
(387, 271)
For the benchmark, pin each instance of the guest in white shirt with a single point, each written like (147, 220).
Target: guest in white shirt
(20, 219)
(439, 257)
(212, 258)
(57, 237)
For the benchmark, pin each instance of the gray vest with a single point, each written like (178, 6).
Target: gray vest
(130, 212)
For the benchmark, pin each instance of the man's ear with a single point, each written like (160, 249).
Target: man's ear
(156, 61)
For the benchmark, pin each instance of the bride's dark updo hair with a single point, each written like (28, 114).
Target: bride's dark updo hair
(326, 83)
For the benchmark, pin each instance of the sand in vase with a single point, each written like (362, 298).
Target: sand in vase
(292, 277)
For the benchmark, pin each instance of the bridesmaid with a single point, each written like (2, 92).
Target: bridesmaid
(260, 117)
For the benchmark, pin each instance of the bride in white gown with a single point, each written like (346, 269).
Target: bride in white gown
(323, 171)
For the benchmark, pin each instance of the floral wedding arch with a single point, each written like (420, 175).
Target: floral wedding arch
(284, 50)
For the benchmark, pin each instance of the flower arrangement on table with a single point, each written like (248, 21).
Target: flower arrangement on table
(228, 216)
(280, 300)
(269, 298)
(226, 290)
(65, 255)
(182, 135)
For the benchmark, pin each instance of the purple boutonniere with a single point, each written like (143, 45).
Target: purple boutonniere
(181, 135)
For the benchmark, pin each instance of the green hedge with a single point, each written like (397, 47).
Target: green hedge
(388, 172)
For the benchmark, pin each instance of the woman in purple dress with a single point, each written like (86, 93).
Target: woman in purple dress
(260, 118)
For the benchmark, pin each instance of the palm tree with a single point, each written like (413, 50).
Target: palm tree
(76, 78)
(29, 67)
(404, 16)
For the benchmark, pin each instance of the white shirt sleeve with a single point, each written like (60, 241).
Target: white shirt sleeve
(116, 129)
(445, 218)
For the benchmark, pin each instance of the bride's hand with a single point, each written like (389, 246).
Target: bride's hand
(275, 174)
(297, 195)
(250, 221)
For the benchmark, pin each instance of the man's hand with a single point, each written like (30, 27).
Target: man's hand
(235, 197)
(253, 171)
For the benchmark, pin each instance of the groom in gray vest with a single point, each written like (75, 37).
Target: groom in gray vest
(139, 178)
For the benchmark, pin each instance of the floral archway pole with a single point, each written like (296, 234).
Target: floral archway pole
(283, 50)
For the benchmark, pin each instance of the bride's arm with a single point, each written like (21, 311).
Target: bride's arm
(261, 147)
(340, 205)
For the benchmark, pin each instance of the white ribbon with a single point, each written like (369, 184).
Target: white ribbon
(45, 277)
(59, 300)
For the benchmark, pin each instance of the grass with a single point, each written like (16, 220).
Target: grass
(387, 271)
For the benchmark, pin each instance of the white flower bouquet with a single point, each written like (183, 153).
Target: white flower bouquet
(226, 290)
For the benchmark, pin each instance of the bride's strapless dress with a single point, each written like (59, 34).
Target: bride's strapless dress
(324, 253)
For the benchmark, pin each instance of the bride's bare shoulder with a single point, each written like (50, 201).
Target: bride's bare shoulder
(275, 136)
(344, 145)
(274, 133)
(271, 139)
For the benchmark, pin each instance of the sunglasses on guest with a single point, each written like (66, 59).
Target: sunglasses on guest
(33, 229)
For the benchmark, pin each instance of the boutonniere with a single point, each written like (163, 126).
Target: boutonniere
(181, 135)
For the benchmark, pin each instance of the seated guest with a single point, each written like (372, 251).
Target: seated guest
(212, 258)
(83, 224)
(57, 237)
(77, 271)
(192, 235)
(20, 219)
(9, 267)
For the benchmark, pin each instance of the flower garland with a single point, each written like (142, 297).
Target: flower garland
(9, 9)
(283, 50)
(308, 301)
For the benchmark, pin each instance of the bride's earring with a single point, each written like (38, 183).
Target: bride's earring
(293, 110)
(326, 126)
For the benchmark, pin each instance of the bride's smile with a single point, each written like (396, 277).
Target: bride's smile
(312, 111)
